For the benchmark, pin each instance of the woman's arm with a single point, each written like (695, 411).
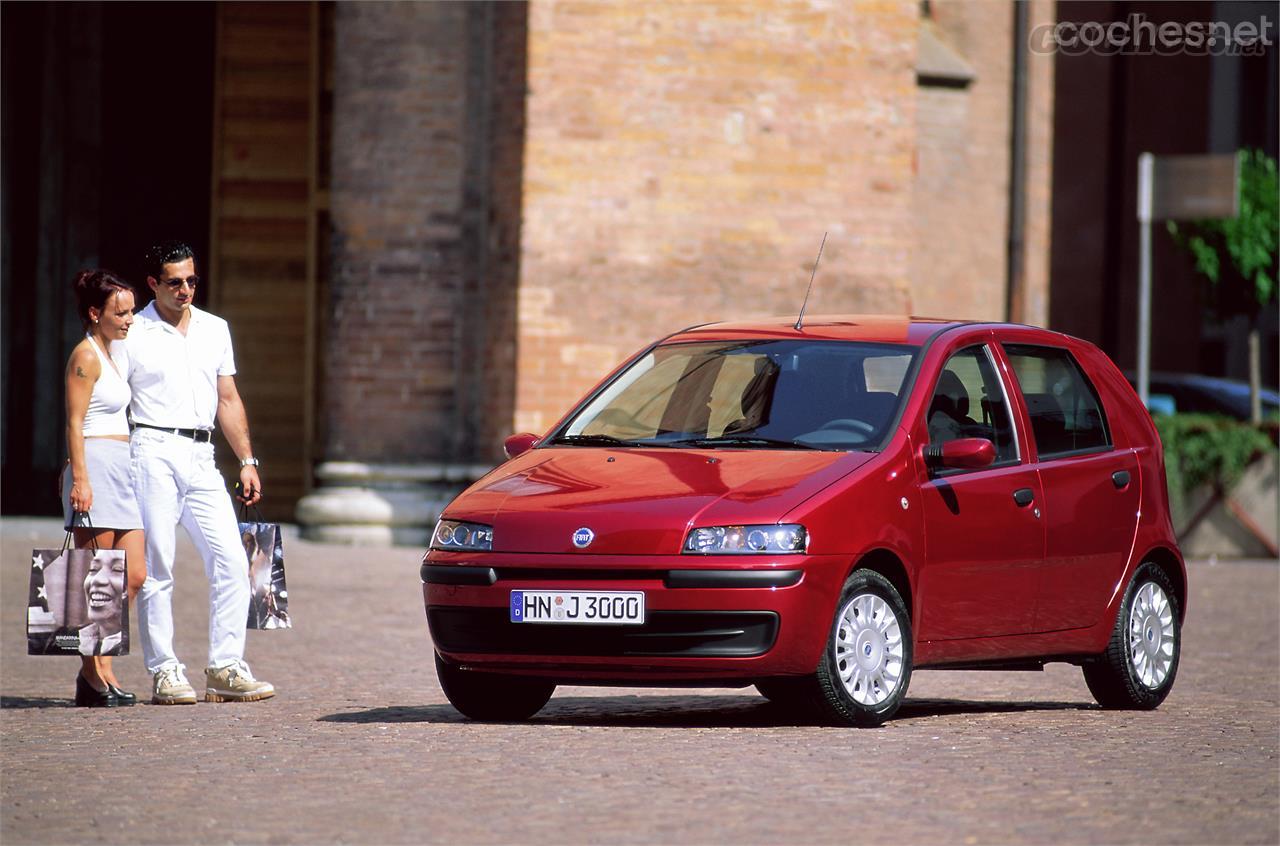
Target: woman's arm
(83, 371)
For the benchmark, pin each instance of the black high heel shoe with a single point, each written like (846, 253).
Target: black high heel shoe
(123, 697)
(88, 697)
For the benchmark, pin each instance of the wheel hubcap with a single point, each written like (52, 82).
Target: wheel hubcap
(1151, 638)
(868, 649)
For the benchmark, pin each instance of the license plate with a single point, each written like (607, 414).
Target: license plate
(577, 606)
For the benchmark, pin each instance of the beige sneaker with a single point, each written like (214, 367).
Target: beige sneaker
(170, 687)
(234, 683)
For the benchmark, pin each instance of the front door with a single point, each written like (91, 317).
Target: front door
(984, 539)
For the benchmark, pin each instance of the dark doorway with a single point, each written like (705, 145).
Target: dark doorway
(1108, 109)
(107, 138)
(157, 130)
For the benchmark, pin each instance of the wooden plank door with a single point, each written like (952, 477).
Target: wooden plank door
(263, 262)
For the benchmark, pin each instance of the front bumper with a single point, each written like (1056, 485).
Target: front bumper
(716, 619)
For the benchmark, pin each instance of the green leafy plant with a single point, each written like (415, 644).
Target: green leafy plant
(1248, 243)
(1207, 449)
(1238, 255)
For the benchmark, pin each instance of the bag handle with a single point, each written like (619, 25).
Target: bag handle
(245, 511)
(88, 524)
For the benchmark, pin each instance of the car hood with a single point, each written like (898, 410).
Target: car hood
(640, 501)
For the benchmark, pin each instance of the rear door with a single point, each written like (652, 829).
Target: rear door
(1091, 487)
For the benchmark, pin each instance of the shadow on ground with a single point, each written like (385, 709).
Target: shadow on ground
(688, 712)
(34, 702)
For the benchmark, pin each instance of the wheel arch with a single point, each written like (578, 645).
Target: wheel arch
(1170, 562)
(888, 564)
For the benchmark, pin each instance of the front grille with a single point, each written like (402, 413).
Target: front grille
(694, 634)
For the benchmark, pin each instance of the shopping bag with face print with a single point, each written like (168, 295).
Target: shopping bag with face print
(77, 602)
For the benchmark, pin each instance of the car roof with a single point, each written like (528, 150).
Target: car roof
(872, 328)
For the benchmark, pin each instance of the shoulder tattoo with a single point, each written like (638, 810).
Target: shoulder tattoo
(80, 372)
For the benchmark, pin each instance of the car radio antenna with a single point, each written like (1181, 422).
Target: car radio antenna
(800, 318)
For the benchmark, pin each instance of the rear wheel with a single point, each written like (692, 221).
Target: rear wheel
(1141, 660)
(866, 667)
(492, 697)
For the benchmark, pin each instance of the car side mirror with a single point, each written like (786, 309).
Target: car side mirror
(519, 444)
(966, 453)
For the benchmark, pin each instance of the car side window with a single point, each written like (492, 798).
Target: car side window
(969, 402)
(1066, 416)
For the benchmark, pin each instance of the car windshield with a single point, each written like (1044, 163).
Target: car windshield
(749, 394)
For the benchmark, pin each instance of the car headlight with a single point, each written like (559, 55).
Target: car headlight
(456, 535)
(721, 540)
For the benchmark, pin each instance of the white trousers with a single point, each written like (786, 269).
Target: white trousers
(176, 481)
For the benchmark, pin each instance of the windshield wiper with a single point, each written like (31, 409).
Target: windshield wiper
(592, 440)
(747, 441)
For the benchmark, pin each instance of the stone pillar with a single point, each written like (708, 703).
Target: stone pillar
(381, 504)
(394, 328)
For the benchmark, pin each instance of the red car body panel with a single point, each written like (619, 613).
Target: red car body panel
(545, 495)
(988, 580)
(981, 572)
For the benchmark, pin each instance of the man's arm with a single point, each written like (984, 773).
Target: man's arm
(235, 427)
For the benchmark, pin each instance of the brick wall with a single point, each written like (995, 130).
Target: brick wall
(1032, 304)
(523, 195)
(507, 87)
(391, 352)
(962, 187)
(682, 162)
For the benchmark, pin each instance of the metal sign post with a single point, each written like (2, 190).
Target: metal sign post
(1146, 168)
(1176, 188)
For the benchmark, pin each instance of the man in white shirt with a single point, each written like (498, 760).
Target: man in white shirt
(182, 374)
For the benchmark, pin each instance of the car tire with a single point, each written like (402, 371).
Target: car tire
(492, 697)
(1141, 660)
(866, 665)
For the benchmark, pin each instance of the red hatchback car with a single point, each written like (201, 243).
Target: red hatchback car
(818, 512)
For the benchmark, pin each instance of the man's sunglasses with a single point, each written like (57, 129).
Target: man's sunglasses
(175, 284)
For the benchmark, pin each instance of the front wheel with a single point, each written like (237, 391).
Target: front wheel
(866, 667)
(1138, 667)
(492, 697)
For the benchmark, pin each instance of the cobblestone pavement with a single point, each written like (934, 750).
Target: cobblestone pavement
(359, 746)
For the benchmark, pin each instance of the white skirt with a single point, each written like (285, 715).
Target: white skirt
(114, 505)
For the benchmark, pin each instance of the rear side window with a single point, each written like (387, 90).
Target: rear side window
(1066, 416)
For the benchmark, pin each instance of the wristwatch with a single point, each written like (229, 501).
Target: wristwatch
(248, 462)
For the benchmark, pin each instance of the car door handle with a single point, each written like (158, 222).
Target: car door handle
(1024, 497)
(1120, 479)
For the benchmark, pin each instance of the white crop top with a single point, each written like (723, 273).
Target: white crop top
(110, 399)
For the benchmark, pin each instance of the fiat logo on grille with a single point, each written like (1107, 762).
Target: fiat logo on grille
(583, 538)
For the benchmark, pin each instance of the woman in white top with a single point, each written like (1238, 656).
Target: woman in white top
(97, 482)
